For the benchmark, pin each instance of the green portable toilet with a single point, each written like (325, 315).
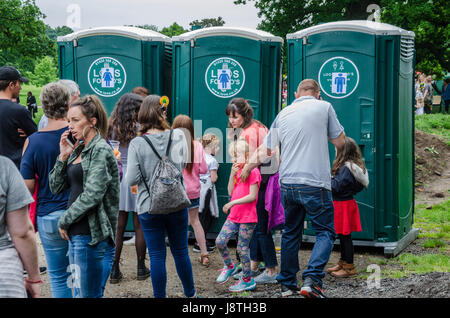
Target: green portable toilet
(365, 70)
(111, 61)
(251, 58)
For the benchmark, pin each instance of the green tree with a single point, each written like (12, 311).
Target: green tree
(289, 16)
(208, 22)
(173, 30)
(58, 31)
(150, 27)
(45, 72)
(22, 34)
(429, 21)
(427, 18)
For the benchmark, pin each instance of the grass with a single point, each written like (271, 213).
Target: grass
(438, 124)
(434, 225)
(36, 91)
(421, 264)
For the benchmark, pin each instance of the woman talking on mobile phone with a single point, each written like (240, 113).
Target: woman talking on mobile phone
(90, 171)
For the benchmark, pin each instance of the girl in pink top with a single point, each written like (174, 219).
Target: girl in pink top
(242, 219)
(191, 174)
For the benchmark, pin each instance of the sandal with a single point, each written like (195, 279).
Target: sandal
(204, 259)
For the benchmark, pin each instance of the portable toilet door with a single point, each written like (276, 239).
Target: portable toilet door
(212, 66)
(365, 70)
(111, 61)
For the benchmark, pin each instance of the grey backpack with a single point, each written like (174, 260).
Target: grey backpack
(167, 191)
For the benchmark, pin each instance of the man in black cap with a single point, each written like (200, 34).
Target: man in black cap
(13, 117)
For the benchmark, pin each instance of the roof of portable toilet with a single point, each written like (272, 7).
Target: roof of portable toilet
(228, 31)
(364, 26)
(131, 32)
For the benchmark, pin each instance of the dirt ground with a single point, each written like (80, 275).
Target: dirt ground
(432, 169)
(433, 185)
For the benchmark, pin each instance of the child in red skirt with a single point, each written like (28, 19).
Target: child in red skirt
(349, 176)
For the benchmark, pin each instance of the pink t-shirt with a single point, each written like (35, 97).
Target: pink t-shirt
(254, 135)
(192, 180)
(244, 213)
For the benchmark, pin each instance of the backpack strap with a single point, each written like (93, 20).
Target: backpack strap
(143, 177)
(151, 145)
(169, 143)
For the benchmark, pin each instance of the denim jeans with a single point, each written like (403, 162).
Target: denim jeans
(155, 227)
(56, 254)
(298, 201)
(262, 247)
(90, 265)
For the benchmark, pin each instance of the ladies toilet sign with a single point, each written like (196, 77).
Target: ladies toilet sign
(107, 76)
(225, 77)
(338, 77)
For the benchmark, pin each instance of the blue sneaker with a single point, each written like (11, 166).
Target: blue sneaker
(243, 286)
(226, 273)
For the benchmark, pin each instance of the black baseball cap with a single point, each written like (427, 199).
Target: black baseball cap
(9, 73)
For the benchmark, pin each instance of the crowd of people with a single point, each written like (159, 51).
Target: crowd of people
(424, 94)
(87, 172)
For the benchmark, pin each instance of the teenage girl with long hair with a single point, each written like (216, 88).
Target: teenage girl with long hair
(191, 173)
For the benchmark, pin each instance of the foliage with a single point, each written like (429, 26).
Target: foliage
(22, 34)
(208, 22)
(58, 31)
(429, 21)
(173, 30)
(289, 16)
(150, 27)
(45, 72)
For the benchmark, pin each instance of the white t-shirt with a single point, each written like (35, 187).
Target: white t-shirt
(206, 184)
(212, 165)
(303, 129)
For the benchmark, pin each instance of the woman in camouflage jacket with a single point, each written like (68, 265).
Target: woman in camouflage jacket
(90, 170)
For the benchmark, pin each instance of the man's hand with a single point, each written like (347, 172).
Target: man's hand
(33, 289)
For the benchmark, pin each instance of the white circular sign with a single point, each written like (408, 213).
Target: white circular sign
(107, 76)
(338, 77)
(225, 77)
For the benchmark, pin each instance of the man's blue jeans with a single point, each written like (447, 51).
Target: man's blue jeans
(298, 201)
(56, 254)
(155, 227)
(90, 265)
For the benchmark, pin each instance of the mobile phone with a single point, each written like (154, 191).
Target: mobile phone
(71, 140)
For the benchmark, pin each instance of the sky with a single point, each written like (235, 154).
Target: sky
(83, 14)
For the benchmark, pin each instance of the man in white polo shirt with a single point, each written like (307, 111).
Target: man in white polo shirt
(302, 131)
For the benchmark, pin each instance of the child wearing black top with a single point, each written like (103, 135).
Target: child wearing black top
(349, 176)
